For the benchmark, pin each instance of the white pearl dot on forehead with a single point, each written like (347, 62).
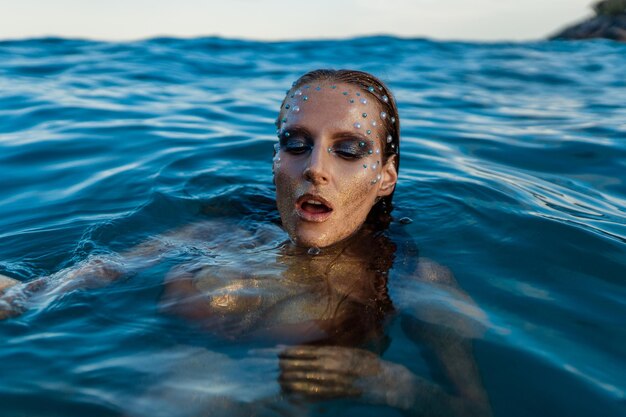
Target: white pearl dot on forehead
(383, 115)
(357, 125)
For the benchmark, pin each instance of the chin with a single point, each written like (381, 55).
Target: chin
(310, 240)
(310, 236)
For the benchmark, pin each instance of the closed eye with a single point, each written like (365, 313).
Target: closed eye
(296, 149)
(294, 145)
(352, 149)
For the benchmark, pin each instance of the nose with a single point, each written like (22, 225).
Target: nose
(316, 171)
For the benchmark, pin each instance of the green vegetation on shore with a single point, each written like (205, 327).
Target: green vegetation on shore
(610, 7)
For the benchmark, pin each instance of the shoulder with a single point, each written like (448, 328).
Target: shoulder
(227, 232)
(431, 271)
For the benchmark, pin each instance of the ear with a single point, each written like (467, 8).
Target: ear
(389, 177)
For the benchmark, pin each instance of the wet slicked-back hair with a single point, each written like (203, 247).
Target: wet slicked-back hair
(380, 214)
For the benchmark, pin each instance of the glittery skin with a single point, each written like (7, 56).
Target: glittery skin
(329, 119)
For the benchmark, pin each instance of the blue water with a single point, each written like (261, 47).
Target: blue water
(513, 171)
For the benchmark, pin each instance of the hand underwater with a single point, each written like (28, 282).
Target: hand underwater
(325, 372)
(6, 307)
(16, 297)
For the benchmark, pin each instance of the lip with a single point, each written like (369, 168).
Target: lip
(313, 217)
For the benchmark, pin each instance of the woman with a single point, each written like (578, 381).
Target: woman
(325, 289)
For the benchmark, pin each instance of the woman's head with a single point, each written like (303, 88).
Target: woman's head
(337, 161)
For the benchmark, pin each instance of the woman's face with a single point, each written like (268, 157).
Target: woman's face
(328, 169)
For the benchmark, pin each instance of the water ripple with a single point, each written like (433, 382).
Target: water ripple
(513, 162)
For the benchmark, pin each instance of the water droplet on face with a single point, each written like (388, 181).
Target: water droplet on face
(298, 93)
(364, 115)
(305, 98)
(364, 101)
(383, 115)
(374, 123)
(295, 109)
(357, 125)
(314, 251)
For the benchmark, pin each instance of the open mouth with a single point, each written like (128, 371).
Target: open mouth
(313, 208)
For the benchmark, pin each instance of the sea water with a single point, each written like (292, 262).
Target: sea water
(513, 172)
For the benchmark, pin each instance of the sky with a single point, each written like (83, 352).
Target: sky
(483, 20)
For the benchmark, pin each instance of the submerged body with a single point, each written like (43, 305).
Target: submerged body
(331, 307)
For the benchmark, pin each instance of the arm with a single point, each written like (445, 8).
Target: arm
(448, 334)
(98, 270)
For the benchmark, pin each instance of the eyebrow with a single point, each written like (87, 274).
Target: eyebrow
(344, 134)
(297, 129)
(351, 134)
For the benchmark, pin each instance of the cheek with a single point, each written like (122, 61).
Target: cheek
(356, 188)
(285, 171)
(286, 180)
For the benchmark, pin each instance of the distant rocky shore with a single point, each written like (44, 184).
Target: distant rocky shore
(609, 22)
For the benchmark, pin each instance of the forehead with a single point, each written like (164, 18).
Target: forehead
(330, 105)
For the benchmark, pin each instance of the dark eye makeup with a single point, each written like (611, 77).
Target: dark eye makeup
(349, 148)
